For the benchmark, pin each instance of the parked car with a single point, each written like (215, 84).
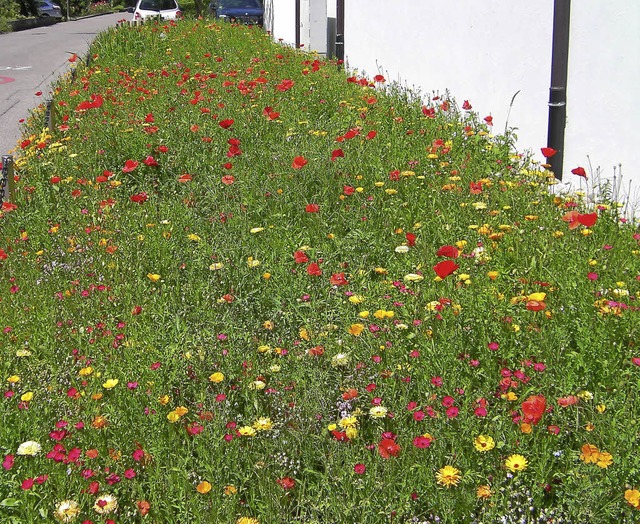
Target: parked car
(48, 8)
(167, 9)
(241, 11)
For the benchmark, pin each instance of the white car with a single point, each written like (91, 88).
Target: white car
(48, 8)
(167, 9)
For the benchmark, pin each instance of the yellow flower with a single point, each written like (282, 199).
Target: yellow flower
(252, 262)
(255, 230)
(413, 277)
(632, 496)
(247, 431)
(216, 377)
(516, 463)
(66, 511)
(352, 433)
(164, 400)
(204, 487)
(85, 372)
(483, 492)
(263, 424)
(247, 520)
(216, 266)
(484, 443)
(348, 422)
(356, 299)
(173, 417)
(26, 397)
(381, 314)
(492, 274)
(448, 476)
(154, 277)
(268, 324)
(356, 329)
(363, 314)
(194, 237)
(13, 379)
(181, 411)
(380, 271)
(111, 383)
(526, 428)
(230, 490)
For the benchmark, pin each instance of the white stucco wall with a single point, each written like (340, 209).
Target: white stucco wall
(280, 20)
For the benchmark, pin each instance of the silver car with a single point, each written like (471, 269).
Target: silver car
(48, 8)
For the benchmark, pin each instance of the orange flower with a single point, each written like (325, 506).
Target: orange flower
(203, 488)
(590, 454)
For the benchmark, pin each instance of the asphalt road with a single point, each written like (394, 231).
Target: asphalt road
(32, 60)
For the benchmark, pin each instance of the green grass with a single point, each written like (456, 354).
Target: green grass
(160, 276)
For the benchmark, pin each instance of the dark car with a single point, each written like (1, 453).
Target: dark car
(241, 11)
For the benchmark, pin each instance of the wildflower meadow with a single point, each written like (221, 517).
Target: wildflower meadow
(243, 284)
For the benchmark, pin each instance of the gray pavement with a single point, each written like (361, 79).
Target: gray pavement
(32, 60)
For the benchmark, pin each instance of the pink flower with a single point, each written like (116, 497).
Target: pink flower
(421, 442)
(8, 462)
(359, 469)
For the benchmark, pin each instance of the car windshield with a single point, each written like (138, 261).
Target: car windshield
(239, 4)
(158, 5)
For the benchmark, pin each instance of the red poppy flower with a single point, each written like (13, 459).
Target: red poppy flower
(312, 208)
(338, 279)
(388, 448)
(149, 118)
(548, 152)
(139, 198)
(316, 351)
(445, 268)
(411, 239)
(379, 78)
(429, 112)
(54, 180)
(588, 219)
(226, 124)
(314, 270)
(129, 166)
(286, 483)
(285, 85)
(488, 120)
(3, 254)
(535, 305)
(227, 180)
(336, 154)
(300, 257)
(184, 178)
(371, 135)
(567, 401)
(299, 162)
(340, 436)
(348, 190)
(533, 408)
(73, 58)
(151, 162)
(448, 251)
(579, 171)
(9, 206)
(350, 394)
(466, 105)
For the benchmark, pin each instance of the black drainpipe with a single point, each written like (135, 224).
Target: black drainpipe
(340, 30)
(297, 24)
(558, 89)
